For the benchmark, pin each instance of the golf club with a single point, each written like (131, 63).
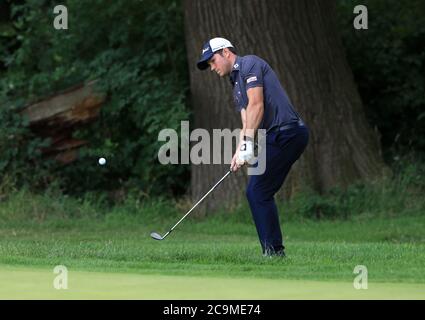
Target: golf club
(157, 236)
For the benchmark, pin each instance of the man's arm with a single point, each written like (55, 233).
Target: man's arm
(251, 120)
(254, 111)
(243, 118)
(234, 165)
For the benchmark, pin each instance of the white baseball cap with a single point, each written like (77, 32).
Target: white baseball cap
(210, 48)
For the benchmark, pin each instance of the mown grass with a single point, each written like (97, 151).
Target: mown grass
(381, 228)
(393, 249)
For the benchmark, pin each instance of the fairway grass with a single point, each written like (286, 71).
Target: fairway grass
(113, 257)
(27, 283)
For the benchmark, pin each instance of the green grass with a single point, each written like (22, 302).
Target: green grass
(316, 251)
(25, 283)
(39, 232)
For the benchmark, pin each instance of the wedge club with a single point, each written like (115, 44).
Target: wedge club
(157, 236)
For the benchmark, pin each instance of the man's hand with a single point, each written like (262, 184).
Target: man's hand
(246, 151)
(234, 165)
(244, 154)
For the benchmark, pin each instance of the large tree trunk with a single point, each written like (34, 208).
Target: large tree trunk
(299, 39)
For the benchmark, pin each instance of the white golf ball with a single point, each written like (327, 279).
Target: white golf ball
(102, 161)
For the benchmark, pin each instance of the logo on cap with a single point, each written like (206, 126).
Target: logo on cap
(205, 50)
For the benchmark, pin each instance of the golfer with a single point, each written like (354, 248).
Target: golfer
(263, 104)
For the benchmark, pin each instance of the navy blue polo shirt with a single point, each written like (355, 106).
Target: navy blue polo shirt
(250, 72)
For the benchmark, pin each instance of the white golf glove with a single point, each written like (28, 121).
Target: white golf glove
(246, 152)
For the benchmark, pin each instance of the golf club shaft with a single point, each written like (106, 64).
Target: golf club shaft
(220, 181)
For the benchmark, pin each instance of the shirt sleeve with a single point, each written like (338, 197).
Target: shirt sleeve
(252, 74)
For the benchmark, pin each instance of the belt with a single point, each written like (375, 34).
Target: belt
(288, 126)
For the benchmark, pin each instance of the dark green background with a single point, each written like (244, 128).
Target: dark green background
(138, 54)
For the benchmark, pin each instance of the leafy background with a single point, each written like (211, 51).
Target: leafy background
(137, 54)
(135, 49)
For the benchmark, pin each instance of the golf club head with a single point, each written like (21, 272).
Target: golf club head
(156, 236)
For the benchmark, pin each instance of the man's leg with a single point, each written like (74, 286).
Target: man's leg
(283, 149)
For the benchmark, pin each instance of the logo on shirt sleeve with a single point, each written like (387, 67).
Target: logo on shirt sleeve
(251, 79)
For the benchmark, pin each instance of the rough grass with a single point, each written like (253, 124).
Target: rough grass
(392, 247)
(380, 226)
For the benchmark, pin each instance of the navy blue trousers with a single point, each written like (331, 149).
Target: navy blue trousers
(283, 148)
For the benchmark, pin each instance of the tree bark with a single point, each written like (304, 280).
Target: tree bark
(299, 39)
(58, 116)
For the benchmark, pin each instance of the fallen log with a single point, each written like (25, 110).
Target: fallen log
(58, 116)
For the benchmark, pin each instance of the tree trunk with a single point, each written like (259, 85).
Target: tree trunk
(299, 39)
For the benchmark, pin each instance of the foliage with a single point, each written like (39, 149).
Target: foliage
(135, 50)
(21, 157)
(388, 61)
(401, 194)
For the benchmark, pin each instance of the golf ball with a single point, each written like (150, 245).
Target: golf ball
(102, 161)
